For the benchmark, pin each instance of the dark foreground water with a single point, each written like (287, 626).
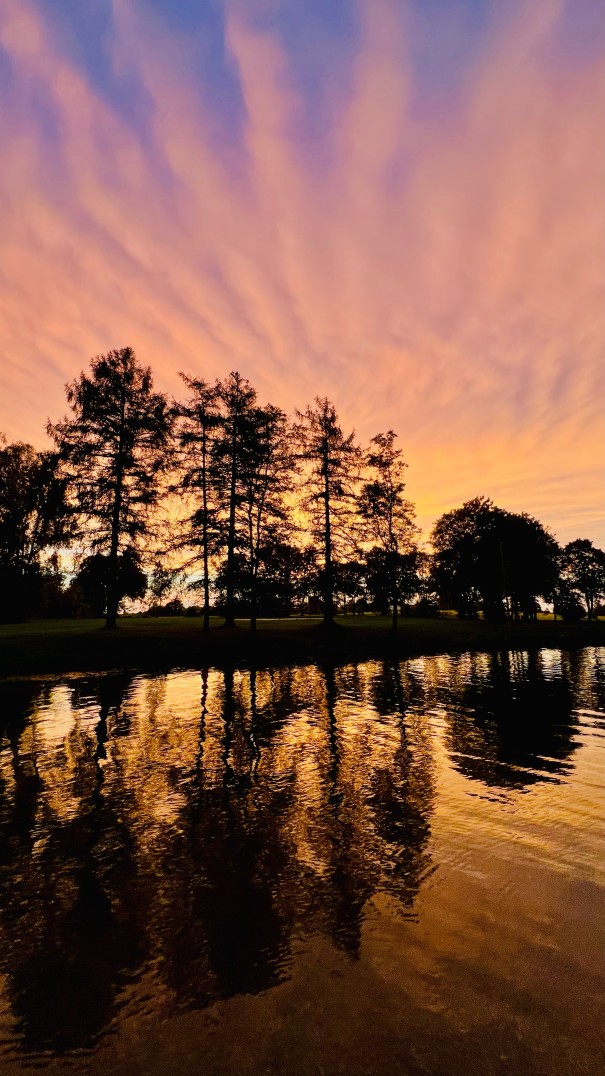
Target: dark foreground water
(382, 868)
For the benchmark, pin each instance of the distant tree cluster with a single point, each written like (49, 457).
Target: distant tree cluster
(256, 514)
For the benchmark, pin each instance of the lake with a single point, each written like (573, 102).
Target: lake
(378, 868)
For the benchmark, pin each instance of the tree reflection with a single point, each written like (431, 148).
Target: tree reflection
(403, 796)
(378, 793)
(199, 829)
(512, 726)
(20, 781)
(219, 932)
(348, 883)
(68, 910)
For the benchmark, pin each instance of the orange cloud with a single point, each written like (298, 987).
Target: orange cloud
(443, 277)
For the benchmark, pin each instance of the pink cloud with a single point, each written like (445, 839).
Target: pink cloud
(443, 278)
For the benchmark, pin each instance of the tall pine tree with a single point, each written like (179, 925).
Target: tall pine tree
(331, 463)
(199, 420)
(112, 447)
(385, 510)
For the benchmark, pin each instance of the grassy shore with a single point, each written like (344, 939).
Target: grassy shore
(61, 646)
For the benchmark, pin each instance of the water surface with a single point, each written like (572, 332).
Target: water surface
(377, 868)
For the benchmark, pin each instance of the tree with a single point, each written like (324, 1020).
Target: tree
(455, 541)
(113, 448)
(266, 471)
(388, 514)
(332, 463)
(566, 604)
(378, 577)
(251, 460)
(288, 575)
(348, 583)
(33, 518)
(529, 557)
(307, 577)
(283, 575)
(92, 581)
(199, 421)
(583, 569)
(280, 581)
(237, 398)
(487, 557)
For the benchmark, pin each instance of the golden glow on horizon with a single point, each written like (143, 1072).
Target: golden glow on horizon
(460, 304)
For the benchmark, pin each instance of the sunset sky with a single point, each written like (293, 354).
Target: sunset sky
(399, 205)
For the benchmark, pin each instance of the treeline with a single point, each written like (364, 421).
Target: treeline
(253, 513)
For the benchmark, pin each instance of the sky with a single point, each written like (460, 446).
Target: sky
(398, 205)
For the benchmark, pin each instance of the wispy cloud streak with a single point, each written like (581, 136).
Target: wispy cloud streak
(432, 262)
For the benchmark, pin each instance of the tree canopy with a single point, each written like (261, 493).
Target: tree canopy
(198, 423)
(112, 449)
(33, 518)
(331, 461)
(583, 570)
(91, 581)
(490, 559)
(386, 511)
(222, 494)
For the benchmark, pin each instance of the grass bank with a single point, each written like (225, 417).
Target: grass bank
(61, 646)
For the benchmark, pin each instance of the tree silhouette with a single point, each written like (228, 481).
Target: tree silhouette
(332, 463)
(33, 518)
(238, 398)
(493, 558)
(286, 577)
(283, 574)
(252, 460)
(199, 419)
(377, 577)
(348, 583)
(583, 569)
(112, 448)
(383, 507)
(267, 465)
(92, 580)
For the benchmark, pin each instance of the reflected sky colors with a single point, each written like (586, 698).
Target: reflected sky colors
(320, 868)
(395, 204)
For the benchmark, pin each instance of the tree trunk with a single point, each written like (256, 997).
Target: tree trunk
(253, 556)
(328, 584)
(229, 611)
(394, 594)
(206, 620)
(113, 597)
(253, 606)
